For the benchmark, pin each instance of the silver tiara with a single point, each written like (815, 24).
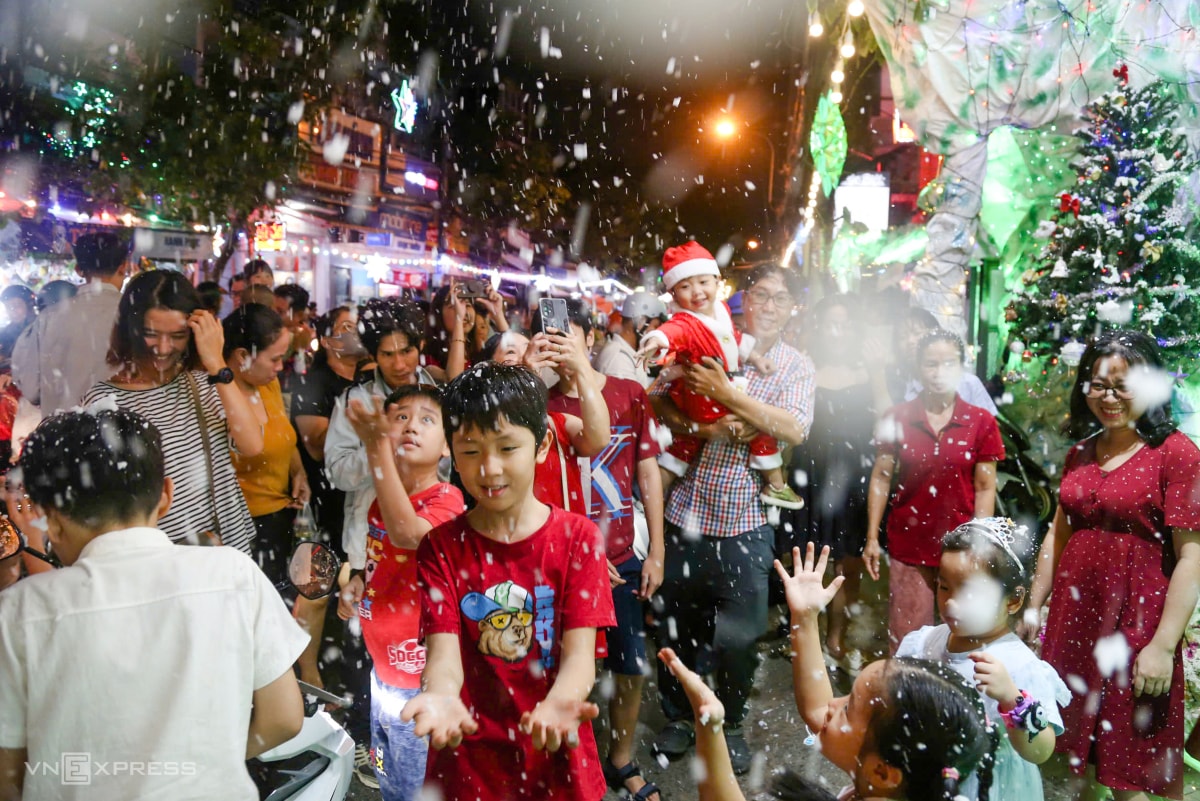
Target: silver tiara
(1001, 532)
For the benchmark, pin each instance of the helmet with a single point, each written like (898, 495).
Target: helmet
(642, 304)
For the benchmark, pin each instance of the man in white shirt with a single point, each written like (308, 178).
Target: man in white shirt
(914, 324)
(619, 359)
(63, 354)
(141, 669)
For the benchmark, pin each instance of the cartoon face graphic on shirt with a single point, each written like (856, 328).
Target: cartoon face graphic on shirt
(504, 614)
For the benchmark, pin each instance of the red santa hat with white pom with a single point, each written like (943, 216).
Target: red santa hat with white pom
(687, 261)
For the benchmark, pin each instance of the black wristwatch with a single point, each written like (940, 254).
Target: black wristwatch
(222, 376)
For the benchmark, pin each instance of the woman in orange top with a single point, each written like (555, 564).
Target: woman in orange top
(273, 482)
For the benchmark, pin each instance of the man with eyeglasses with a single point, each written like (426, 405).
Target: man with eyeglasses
(719, 544)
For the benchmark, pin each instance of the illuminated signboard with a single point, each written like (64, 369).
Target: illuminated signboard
(405, 103)
(269, 235)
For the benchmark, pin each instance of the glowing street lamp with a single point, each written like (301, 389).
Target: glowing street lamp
(727, 127)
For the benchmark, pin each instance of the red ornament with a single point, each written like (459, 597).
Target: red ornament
(1121, 73)
(1027, 356)
(1068, 203)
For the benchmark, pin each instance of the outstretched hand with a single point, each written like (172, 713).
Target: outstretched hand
(555, 722)
(707, 708)
(443, 717)
(369, 422)
(805, 589)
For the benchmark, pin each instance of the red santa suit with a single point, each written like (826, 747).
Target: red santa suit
(690, 337)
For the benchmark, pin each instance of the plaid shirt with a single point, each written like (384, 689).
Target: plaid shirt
(719, 496)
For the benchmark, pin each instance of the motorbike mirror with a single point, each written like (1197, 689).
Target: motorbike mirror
(11, 540)
(313, 570)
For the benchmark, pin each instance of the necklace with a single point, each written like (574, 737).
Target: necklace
(1102, 458)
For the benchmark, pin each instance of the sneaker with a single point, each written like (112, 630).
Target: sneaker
(675, 739)
(783, 497)
(739, 751)
(364, 768)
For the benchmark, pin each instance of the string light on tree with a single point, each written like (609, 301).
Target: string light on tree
(856, 8)
(848, 50)
(815, 28)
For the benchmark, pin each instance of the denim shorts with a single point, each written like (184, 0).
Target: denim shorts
(627, 640)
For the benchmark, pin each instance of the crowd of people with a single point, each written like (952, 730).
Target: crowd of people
(519, 502)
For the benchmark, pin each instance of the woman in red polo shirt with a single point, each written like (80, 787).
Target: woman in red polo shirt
(942, 451)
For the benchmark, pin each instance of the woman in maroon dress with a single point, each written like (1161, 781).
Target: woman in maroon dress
(1121, 564)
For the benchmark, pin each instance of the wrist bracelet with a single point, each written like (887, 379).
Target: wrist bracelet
(1028, 714)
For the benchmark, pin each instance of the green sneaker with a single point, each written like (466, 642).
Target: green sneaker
(783, 497)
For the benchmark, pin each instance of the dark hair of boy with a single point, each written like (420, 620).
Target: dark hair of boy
(380, 317)
(296, 296)
(53, 293)
(100, 255)
(96, 468)
(489, 392)
(256, 266)
(253, 327)
(210, 296)
(578, 313)
(155, 289)
(20, 292)
(407, 391)
(235, 278)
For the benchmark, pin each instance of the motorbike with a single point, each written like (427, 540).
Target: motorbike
(318, 763)
(1024, 491)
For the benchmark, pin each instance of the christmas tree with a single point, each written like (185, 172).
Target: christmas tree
(1117, 254)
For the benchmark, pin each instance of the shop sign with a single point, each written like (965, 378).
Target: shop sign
(269, 235)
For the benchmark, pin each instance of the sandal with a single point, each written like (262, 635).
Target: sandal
(616, 777)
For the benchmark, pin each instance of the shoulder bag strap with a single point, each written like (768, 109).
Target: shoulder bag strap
(194, 391)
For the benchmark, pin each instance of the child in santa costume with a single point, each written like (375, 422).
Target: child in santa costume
(701, 326)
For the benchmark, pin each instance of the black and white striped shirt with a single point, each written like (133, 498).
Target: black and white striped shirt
(172, 411)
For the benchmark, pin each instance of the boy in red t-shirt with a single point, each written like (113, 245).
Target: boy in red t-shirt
(512, 594)
(404, 440)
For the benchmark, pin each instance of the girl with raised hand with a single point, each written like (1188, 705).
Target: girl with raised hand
(982, 588)
(910, 729)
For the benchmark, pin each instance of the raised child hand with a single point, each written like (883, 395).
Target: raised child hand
(370, 424)
(443, 717)
(555, 722)
(806, 591)
(707, 708)
(993, 680)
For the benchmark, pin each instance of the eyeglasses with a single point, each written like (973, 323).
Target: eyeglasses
(1093, 390)
(503, 620)
(782, 300)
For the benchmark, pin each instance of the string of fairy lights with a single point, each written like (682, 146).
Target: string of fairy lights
(837, 77)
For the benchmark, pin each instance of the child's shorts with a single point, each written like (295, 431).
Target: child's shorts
(627, 640)
(396, 753)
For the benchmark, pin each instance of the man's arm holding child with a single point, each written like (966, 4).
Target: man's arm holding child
(439, 711)
(556, 720)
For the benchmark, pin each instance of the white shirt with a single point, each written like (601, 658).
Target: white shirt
(1012, 777)
(141, 658)
(619, 360)
(60, 356)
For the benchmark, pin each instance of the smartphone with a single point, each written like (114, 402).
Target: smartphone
(473, 288)
(554, 315)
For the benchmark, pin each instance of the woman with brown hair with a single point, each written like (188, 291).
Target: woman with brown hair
(170, 369)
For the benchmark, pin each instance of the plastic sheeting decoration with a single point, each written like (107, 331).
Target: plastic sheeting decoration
(961, 69)
(828, 143)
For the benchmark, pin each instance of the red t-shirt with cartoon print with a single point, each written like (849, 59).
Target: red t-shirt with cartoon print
(509, 604)
(390, 609)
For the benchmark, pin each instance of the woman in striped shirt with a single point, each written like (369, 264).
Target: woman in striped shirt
(170, 369)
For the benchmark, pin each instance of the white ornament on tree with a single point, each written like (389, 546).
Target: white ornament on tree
(1072, 353)
(1060, 270)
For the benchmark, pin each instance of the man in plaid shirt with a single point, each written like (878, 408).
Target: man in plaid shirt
(719, 544)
